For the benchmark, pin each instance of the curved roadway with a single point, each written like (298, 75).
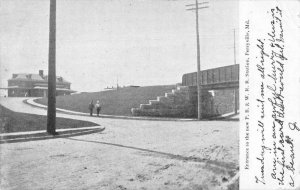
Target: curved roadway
(128, 154)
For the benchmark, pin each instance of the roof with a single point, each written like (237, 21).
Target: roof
(35, 77)
(15, 87)
(28, 76)
(57, 89)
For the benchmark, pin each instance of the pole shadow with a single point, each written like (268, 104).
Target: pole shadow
(211, 163)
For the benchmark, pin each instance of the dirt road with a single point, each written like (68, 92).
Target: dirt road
(128, 154)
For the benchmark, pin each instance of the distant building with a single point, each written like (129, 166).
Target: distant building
(35, 85)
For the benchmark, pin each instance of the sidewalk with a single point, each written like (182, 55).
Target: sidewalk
(33, 103)
(17, 105)
(225, 116)
(43, 135)
(27, 105)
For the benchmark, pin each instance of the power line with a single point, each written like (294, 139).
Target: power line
(191, 9)
(197, 3)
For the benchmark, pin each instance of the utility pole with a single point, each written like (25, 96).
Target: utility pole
(51, 112)
(198, 55)
(235, 90)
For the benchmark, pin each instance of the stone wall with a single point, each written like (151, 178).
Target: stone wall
(182, 103)
(224, 101)
(178, 103)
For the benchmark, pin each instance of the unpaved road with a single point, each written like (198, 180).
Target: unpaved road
(128, 154)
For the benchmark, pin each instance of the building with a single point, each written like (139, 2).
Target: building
(35, 85)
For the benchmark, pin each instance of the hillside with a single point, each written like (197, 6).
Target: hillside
(113, 102)
(18, 122)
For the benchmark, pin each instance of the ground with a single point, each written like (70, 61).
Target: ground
(128, 154)
(17, 122)
(113, 102)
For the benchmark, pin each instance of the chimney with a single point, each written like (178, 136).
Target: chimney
(41, 73)
(14, 76)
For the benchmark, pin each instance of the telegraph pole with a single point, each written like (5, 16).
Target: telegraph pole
(235, 90)
(51, 112)
(198, 56)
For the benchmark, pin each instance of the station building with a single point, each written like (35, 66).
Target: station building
(35, 85)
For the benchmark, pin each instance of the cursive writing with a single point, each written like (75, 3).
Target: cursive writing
(293, 126)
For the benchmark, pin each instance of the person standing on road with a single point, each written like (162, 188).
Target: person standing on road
(91, 108)
(98, 107)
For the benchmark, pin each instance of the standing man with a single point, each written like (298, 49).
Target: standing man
(91, 108)
(98, 107)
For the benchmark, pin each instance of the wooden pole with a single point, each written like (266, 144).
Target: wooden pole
(198, 55)
(198, 64)
(51, 112)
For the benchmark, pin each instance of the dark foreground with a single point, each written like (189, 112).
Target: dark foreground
(19, 122)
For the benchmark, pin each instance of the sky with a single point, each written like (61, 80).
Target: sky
(100, 42)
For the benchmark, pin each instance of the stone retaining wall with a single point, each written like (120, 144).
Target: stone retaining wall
(182, 102)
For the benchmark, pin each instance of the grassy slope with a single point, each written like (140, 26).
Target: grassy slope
(17, 122)
(114, 102)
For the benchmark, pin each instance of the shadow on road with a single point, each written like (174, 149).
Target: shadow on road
(217, 164)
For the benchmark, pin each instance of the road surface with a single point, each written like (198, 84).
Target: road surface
(128, 154)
